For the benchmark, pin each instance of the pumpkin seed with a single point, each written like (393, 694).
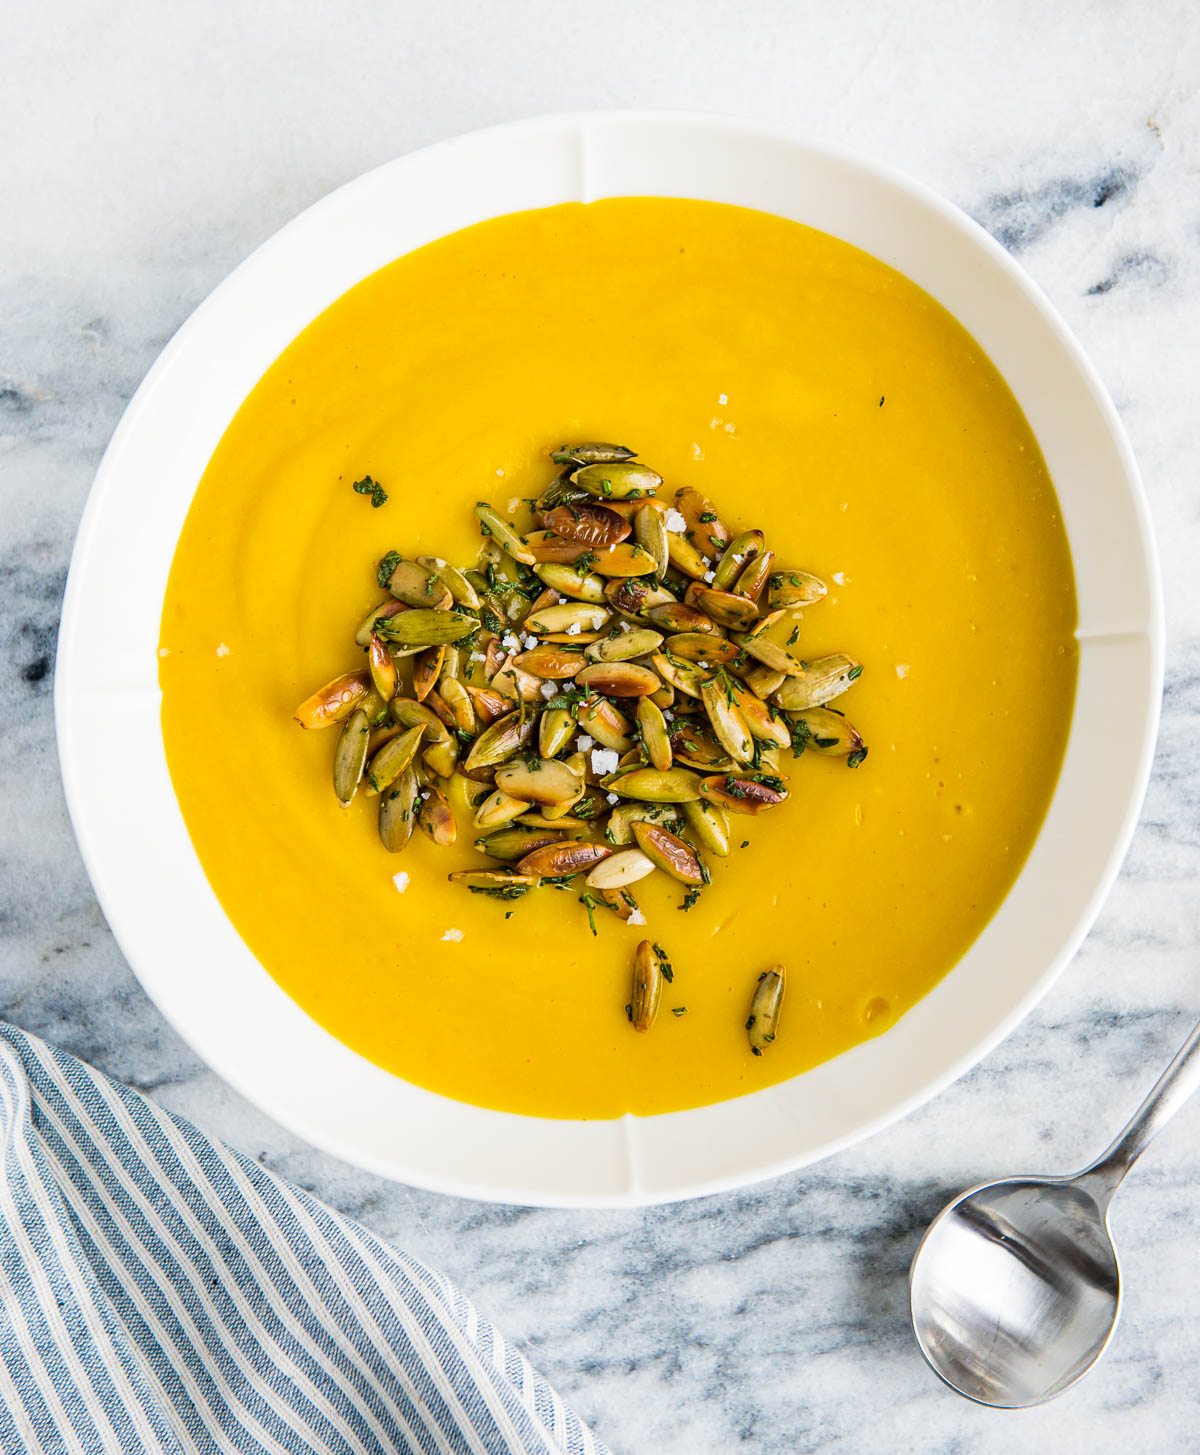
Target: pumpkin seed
(767, 643)
(556, 727)
(636, 643)
(733, 560)
(706, 531)
(552, 663)
(758, 717)
(652, 785)
(635, 595)
(503, 534)
(334, 702)
(618, 679)
(696, 747)
(435, 701)
(604, 722)
(619, 828)
(506, 736)
(703, 650)
(826, 678)
(548, 547)
(825, 730)
(620, 901)
(567, 581)
(538, 820)
(617, 870)
(765, 1005)
(577, 763)
(740, 795)
(515, 841)
(683, 676)
(539, 780)
(489, 704)
(350, 755)
(649, 526)
(498, 808)
(754, 576)
(647, 987)
(394, 758)
(727, 722)
(570, 614)
(397, 812)
(675, 616)
(726, 609)
(416, 586)
(762, 681)
(595, 525)
(655, 738)
(427, 668)
(441, 758)
(685, 557)
(382, 667)
(426, 628)
(385, 609)
(618, 480)
(594, 452)
(569, 858)
(668, 852)
(622, 560)
(664, 697)
(435, 817)
(454, 580)
(504, 883)
(561, 492)
(709, 824)
(794, 588)
(593, 805)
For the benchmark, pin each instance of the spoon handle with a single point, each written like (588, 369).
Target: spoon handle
(1169, 1093)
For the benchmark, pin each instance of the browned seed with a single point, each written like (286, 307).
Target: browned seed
(824, 730)
(382, 667)
(417, 587)
(489, 704)
(733, 561)
(706, 531)
(427, 668)
(501, 740)
(572, 856)
(516, 685)
(547, 545)
(655, 738)
(675, 616)
(762, 1024)
(754, 576)
(703, 649)
(438, 705)
(825, 678)
(554, 663)
(492, 879)
(398, 811)
(620, 480)
(606, 723)
(335, 701)
(394, 758)
(514, 841)
(650, 785)
(350, 755)
(740, 795)
(436, 817)
(669, 852)
(385, 609)
(647, 987)
(623, 560)
(685, 557)
(736, 612)
(619, 679)
(696, 746)
(794, 588)
(594, 525)
(540, 780)
(620, 901)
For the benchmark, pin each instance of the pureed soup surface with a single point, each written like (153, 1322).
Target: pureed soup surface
(810, 391)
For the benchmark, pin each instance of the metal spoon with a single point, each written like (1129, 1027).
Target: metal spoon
(1015, 1290)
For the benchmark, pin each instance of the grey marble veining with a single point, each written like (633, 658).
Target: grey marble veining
(148, 149)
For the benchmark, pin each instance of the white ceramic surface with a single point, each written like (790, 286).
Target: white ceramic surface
(151, 886)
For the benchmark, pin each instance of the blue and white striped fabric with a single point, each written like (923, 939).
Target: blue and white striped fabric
(161, 1293)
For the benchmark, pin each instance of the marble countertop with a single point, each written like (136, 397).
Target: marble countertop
(149, 148)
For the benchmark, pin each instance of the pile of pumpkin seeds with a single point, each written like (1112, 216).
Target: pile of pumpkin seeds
(615, 681)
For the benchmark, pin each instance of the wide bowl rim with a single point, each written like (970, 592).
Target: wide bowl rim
(89, 819)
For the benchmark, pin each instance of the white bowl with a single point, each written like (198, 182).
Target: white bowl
(150, 883)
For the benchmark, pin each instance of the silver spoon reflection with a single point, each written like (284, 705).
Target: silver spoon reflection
(1015, 1289)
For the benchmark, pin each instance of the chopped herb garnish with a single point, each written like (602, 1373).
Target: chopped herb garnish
(389, 563)
(854, 673)
(679, 1010)
(367, 486)
(856, 757)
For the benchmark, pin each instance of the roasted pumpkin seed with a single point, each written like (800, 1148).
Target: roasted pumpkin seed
(764, 726)
(435, 817)
(734, 558)
(426, 628)
(676, 616)
(595, 525)
(515, 841)
(762, 1025)
(350, 755)
(652, 785)
(706, 531)
(794, 588)
(570, 614)
(334, 702)
(741, 795)
(825, 730)
(649, 527)
(498, 808)
(684, 676)
(753, 579)
(427, 668)
(548, 547)
(703, 649)
(398, 811)
(568, 581)
(647, 987)
(555, 861)
(761, 680)
(394, 758)
(504, 883)
(639, 642)
(385, 609)
(617, 480)
(668, 852)
(505, 536)
(489, 704)
(416, 586)
(539, 780)
(735, 612)
(454, 580)
(606, 723)
(709, 824)
(594, 452)
(727, 722)
(556, 728)
(619, 828)
(826, 678)
(655, 738)
(768, 643)
(635, 595)
(620, 901)
(623, 560)
(506, 736)
(552, 663)
(619, 679)
(685, 557)
(626, 867)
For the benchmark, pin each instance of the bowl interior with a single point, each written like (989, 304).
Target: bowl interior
(138, 853)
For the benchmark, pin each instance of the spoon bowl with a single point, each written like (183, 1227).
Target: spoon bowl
(1015, 1290)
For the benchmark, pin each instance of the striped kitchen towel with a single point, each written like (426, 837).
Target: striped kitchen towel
(159, 1292)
